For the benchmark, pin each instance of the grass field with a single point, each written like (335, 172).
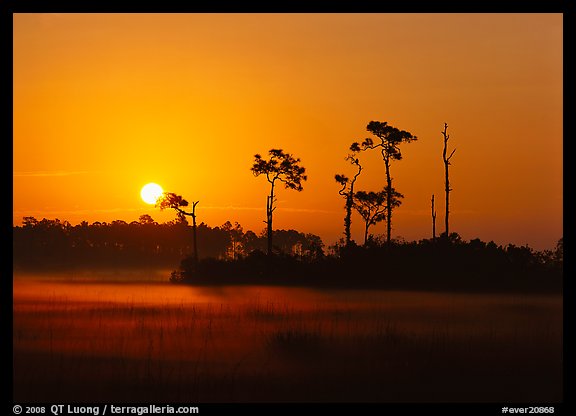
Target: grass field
(101, 341)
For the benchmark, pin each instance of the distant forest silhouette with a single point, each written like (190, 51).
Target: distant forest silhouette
(58, 245)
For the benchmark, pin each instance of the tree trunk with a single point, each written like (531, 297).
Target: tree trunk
(388, 202)
(269, 210)
(433, 220)
(366, 226)
(195, 241)
(348, 219)
(447, 189)
(194, 238)
(349, 206)
(447, 192)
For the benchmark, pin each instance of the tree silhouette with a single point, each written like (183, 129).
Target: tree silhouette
(347, 190)
(235, 233)
(447, 188)
(283, 167)
(433, 220)
(371, 206)
(390, 139)
(143, 219)
(171, 200)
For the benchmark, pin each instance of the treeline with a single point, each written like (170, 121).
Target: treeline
(440, 264)
(230, 255)
(54, 245)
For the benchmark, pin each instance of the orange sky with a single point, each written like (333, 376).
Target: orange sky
(104, 103)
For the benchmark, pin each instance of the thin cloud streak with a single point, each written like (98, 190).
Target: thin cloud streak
(48, 173)
(238, 208)
(73, 211)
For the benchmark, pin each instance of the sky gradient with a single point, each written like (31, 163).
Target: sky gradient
(105, 103)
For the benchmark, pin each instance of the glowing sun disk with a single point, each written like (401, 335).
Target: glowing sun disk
(151, 192)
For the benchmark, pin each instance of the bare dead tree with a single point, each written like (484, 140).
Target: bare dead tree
(447, 188)
(433, 220)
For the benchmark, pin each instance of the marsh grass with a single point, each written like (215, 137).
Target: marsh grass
(267, 347)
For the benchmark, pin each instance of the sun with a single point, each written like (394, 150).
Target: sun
(151, 192)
